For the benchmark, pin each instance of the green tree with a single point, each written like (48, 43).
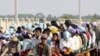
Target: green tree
(49, 17)
(40, 15)
(94, 16)
(66, 16)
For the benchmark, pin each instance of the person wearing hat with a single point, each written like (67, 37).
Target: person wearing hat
(43, 49)
(12, 47)
(54, 29)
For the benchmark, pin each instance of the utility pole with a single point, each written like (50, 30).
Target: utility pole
(16, 12)
(80, 11)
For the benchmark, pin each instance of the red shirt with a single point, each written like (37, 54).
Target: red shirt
(40, 50)
(88, 35)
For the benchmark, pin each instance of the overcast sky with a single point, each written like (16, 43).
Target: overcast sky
(54, 7)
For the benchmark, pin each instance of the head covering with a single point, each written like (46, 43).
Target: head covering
(66, 35)
(82, 29)
(54, 29)
(15, 39)
(33, 27)
(72, 30)
(7, 34)
(86, 24)
(42, 25)
(29, 26)
(94, 24)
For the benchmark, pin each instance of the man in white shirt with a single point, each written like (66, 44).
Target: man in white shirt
(37, 37)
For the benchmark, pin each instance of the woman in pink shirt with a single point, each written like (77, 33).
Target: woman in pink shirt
(55, 41)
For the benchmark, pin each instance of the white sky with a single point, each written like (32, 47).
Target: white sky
(54, 7)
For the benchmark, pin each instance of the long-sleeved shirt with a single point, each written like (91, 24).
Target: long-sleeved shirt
(35, 41)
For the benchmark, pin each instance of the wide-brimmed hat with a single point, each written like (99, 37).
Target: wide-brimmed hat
(14, 39)
(54, 29)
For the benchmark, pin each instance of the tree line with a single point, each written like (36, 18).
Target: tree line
(51, 17)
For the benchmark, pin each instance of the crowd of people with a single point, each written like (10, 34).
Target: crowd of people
(65, 39)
